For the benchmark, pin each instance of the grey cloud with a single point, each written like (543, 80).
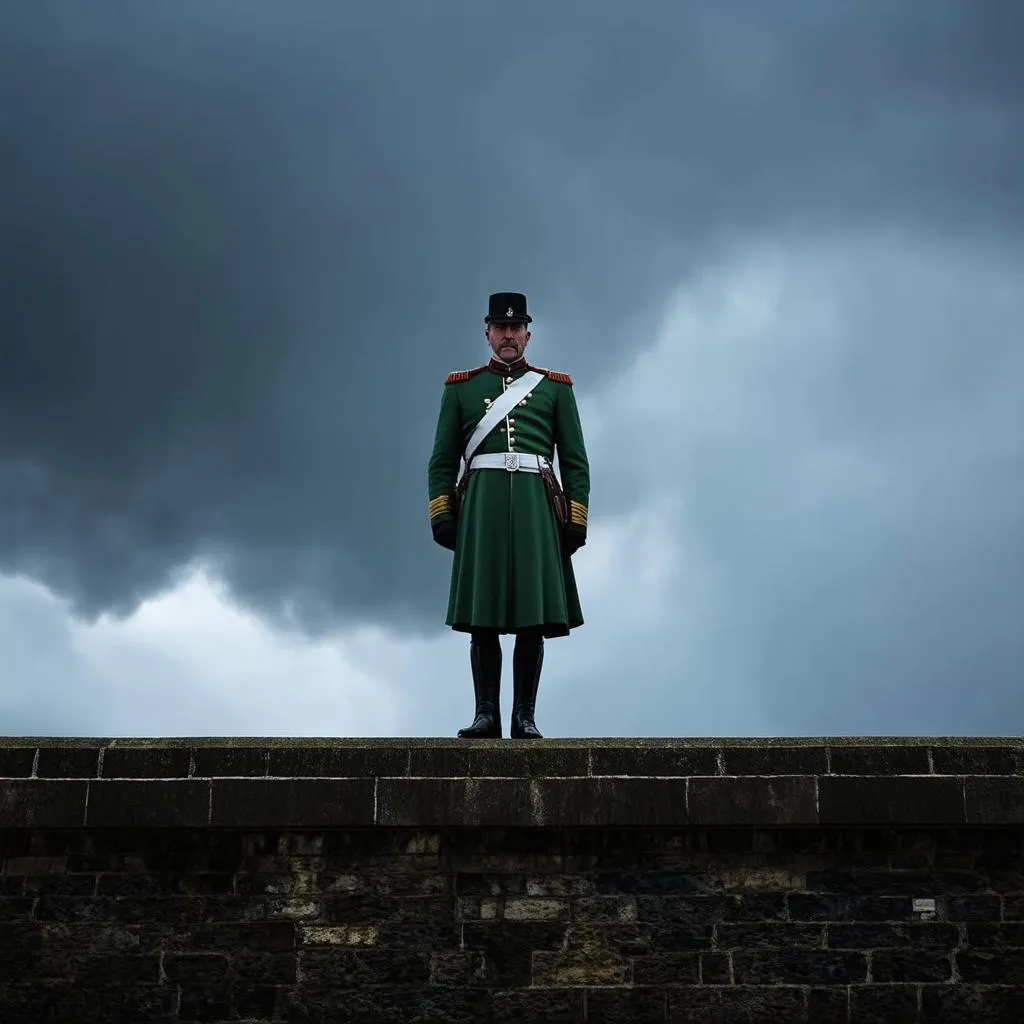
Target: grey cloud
(242, 245)
(858, 500)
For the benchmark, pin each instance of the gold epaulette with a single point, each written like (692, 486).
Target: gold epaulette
(457, 376)
(558, 378)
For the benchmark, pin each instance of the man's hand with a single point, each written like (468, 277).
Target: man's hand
(575, 537)
(445, 533)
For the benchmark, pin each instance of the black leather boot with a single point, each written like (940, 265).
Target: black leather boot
(527, 660)
(485, 660)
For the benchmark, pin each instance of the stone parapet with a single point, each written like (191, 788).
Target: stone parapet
(756, 881)
(323, 783)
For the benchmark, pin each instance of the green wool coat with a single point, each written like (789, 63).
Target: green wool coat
(510, 569)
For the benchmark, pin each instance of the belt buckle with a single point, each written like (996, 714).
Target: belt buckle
(511, 461)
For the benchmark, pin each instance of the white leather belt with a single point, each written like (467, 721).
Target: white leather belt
(513, 462)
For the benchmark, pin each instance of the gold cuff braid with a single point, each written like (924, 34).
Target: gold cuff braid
(577, 513)
(439, 506)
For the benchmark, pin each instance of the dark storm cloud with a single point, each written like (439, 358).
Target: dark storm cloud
(243, 242)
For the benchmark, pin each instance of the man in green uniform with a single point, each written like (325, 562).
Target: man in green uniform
(510, 524)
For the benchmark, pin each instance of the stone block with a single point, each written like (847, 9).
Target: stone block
(147, 762)
(984, 907)
(34, 866)
(954, 759)
(531, 909)
(831, 1006)
(885, 1004)
(42, 803)
(305, 803)
(559, 885)
(879, 759)
(261, 937)
(127, 803)
(291, 909)
(456, 967)
(778, 800)
(664, 969)
(204, 1002)
(636, 1005)
(755, 906)
(479, 883)
(1000, 936)
(348, 762)
(381, 1005)
(891, 801)
(536, 1006)
(342, 970)
(528, 761)
(908, 935)
(774, 935)
(251, 966)
(799, 967)
(435, 803)
(704, 1004)
(339, 935)
(654, 882)
(1013, 906)
(977, 1004)
(715, 969)
(879, 908)
(16, 762)
(654, 762)
(993, 800)
(425, 930)
(627, 938)
(773, 760)
(686, 910)
(257, 1002)
(905, 966)
(603, 908)
(445, 762)
(69, 760)
(609, 802)
(991, 967)
(591, 966)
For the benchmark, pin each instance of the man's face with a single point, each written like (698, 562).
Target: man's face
(507, 341)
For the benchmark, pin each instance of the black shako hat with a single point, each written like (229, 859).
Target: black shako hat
(507, 308)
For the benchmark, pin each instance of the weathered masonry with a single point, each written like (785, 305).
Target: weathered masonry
(748, 880)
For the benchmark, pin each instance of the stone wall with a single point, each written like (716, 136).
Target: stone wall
(264, 880)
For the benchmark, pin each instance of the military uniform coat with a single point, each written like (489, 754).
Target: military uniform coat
(510, 569)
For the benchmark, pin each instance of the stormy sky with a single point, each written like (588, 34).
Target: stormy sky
(778, 247)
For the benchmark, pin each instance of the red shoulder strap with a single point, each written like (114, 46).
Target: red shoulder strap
(558, 378)
(457, 376)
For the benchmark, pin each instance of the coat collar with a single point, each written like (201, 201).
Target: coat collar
(499, 366)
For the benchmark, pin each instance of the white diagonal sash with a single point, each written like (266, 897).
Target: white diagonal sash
(500, 408)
